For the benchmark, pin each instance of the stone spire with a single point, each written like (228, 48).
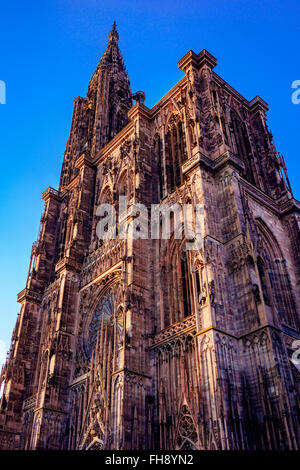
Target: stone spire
(103, 113)
(110, 92)
(112, 56)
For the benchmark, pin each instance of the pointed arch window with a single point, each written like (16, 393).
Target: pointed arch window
(241, 144)
(224, 128)
(262, 276)
(176, 283)
(176, 153)
(274, 277)
(103, 314)
(158, 159)
(62, 235)
(186, 286)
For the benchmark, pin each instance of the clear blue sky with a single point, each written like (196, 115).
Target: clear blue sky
(49, 50)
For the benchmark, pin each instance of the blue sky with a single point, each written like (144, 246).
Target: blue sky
(49, 51)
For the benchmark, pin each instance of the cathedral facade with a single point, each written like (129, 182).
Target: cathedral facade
(139, 343)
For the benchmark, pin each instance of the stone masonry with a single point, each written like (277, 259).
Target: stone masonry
(139, 343)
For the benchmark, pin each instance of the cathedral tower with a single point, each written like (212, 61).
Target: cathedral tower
(103, 113)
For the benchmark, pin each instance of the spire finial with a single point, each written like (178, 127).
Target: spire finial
(114, 35)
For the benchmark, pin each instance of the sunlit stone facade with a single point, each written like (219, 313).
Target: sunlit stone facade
(140, 343)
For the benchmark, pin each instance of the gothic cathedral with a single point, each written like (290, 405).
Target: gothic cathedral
(138, 343)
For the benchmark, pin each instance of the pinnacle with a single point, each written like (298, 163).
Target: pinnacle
(114, 35)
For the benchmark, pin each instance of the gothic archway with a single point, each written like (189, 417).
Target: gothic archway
(274, 277)
(101, 339)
